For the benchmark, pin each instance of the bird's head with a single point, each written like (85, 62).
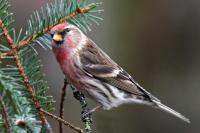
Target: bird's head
(66, 35)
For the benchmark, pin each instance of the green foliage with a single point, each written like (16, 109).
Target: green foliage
(7, 19)
(22, 115)
(16, 100)
(32, 66)
(2, 125)
(53, 14)
(5, 15)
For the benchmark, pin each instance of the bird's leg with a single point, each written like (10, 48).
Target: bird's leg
(87, 119)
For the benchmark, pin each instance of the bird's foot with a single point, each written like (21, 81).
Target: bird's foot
(86, 115)
(88, 112)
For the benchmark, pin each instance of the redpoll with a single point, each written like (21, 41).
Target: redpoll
(95, 74)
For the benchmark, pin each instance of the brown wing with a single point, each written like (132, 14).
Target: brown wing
(96, 63)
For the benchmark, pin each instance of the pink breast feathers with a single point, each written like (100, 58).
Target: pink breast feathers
(65, 61)
(62, 55)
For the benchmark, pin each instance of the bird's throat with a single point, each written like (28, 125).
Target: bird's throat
(62, 55)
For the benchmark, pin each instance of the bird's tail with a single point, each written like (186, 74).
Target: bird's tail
(163, 107)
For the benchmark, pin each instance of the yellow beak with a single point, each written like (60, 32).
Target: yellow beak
(57, 37)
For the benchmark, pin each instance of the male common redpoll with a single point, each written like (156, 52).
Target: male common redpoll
(95, 74)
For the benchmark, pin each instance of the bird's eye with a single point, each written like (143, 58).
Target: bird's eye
(67, 30)
(64, 32)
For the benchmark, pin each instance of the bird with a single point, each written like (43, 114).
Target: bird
(92, 72)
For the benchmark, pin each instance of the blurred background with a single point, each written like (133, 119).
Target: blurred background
(158, 42)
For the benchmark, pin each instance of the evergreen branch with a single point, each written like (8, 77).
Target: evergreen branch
(21, 71)
(77, 12)
(63, 94)
(32, 67)
(5, 116)
(8, 38)
(77, 129)
(6, 34)
(29, 88)
(2, 55)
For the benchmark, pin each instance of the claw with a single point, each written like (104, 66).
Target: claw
(88, 112)
(86, 115)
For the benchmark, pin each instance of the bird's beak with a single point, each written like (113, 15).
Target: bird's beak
(57, 37)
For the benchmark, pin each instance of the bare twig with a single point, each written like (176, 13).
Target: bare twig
(5, 116)
(77, 129)
(63, 93)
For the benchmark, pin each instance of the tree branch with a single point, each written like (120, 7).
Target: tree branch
(2, 55)
(6, 35)
(77, 129)
(29, 87)
(21, 71)
(45, 30)
(5, 116)
(63, 93)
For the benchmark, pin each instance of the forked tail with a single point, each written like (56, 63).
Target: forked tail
(171, 111)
